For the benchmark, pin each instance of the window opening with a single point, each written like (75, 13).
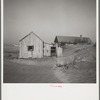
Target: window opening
(30, 48)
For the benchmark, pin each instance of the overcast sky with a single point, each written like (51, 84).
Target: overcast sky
(48, 18)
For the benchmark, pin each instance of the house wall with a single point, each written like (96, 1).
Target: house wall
(59, 50)
(47, 49)
(30, 40)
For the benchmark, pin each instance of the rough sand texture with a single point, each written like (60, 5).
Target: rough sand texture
(85, 73)
(47, 69)
(21, 73)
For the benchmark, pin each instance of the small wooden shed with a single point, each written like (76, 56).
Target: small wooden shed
(31, 46)
(47, 49)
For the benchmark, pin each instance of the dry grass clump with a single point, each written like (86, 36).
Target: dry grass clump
(65, 61)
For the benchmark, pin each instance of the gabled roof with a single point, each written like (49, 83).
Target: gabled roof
(67, 39)
(28, 35)
(35, 35)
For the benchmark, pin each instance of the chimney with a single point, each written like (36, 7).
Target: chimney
(81, 37)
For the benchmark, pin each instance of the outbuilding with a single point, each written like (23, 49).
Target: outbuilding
(32, 46)
(60, 41)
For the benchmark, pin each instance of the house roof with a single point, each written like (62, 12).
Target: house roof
(67, 39)
(35, 35)
(28, 35)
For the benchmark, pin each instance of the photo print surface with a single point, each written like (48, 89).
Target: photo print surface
(49, 41)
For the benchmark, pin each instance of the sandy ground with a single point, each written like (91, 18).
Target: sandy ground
(46, 70)
(21, 73)
(86, 73)
(78, 65)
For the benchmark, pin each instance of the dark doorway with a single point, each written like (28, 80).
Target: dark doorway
(53, 51)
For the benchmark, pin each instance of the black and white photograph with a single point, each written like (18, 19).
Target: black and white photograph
(49, 41)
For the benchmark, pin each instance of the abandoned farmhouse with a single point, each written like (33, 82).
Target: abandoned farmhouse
(60, 41)
(32, 46)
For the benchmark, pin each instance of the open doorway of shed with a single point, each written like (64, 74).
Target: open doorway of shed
(53, 51)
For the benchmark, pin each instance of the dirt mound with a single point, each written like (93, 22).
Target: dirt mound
(82, 53)
(86, 54)
(86, 73)
(77, 66)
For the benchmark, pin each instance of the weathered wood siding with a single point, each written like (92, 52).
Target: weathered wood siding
(59, 50)
(31, 40)
(47, 49)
